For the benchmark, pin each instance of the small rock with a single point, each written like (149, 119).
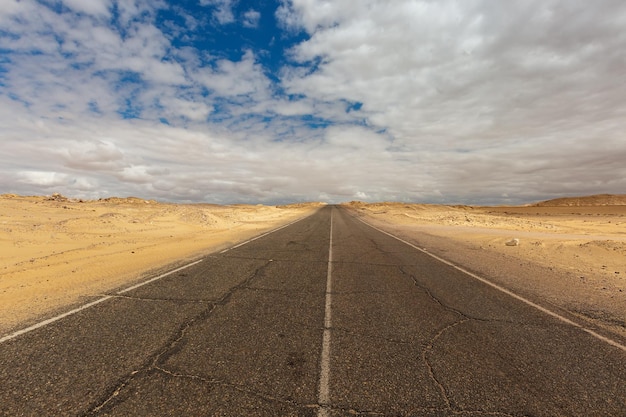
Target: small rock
(513, 242)
(57, 197)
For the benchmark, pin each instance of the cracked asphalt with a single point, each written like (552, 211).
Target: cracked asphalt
(240, 334)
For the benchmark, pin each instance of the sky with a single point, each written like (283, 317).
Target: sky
(278, 101)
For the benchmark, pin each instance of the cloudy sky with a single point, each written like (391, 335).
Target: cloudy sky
(273, 101)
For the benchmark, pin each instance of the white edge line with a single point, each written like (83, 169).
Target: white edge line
(91, 304)
(106, 297)
(324, 382)
(53, 319)
(141, 284)
(504, 290)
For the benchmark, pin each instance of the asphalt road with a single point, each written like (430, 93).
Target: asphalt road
(299, 323)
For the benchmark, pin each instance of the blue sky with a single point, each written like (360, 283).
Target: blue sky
(225, 101)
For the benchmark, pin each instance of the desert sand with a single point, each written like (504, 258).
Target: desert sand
(57, 252)
(569, 253)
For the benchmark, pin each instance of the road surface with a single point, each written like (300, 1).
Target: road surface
(325, 317)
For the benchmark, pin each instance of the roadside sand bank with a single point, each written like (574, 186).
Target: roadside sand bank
(570, 256)
(57, 252)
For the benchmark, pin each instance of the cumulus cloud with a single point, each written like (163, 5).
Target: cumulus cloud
(43, 178)
(83, 65)
(223, 10)
(251, 19)
(234, 78)
(92, 7)
(458, 102)
(472, 86)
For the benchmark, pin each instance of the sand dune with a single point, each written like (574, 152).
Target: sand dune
(569, 254)
(56, 252)
(586, 201)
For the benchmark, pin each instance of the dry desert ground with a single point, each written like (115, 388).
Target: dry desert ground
(56, 253)
(568, 253)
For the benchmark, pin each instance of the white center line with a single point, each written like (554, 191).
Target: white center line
(324, 386)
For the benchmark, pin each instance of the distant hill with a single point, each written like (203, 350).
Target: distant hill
(592, 200)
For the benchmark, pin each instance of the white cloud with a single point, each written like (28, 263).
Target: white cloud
(289, 108)
(235, 78)
(223, 12)
(311, 14)
(411, 100)
(192, 110)
(459, 85)
(43, 178)
(131, 11)
(140, 174)
(77, 68)
(91, 155)
(251, 19)
(100, 8)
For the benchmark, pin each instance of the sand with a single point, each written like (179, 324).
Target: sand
(56, 252)
(570, 255)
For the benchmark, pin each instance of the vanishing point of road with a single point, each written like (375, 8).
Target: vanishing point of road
(324, 317)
